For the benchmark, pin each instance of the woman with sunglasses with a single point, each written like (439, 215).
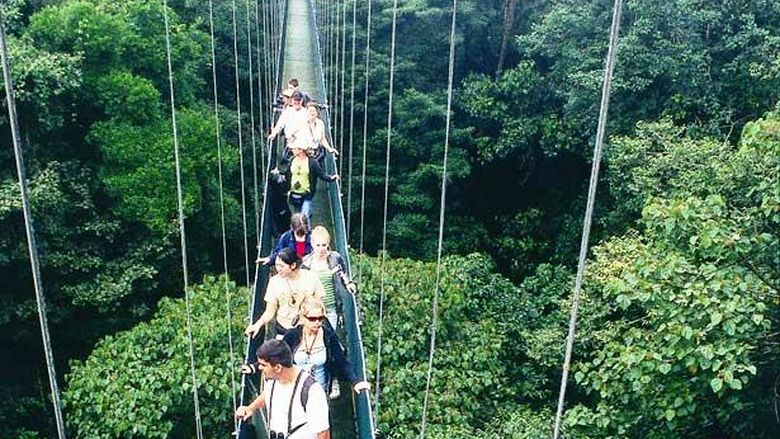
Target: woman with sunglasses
(316, 347)
(329, 267)
(285, 292)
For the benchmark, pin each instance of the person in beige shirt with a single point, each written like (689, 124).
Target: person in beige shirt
(285, 293)
(317, 129)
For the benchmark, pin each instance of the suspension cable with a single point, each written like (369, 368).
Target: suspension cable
(365, 131)
(442, 206)
(333, 55)
(182, 234)
(240, 146)
(334, 69)
(278, 51)
(28, 223)
(351, 121)
(266, 68)
(594, 176)
(384, 220)
(328, 49)
(272, 25)
(260, 87)
(252, 120)
(218, 136)
(343, 71)
(267, 48)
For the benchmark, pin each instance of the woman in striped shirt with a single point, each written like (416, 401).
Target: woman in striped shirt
(329, 267)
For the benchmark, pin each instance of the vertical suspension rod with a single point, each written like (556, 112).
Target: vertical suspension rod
(30, 231)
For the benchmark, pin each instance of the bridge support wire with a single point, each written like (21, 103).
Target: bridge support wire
(240, 147)
(252, 118)
(594, 176)
(365, 134)
(342, 70)
(351, 122)
(30, 231)
(182, 234)
(218, 136)
(442, 208)
(377, 405)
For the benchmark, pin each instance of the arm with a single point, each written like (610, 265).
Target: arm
(270, 312)
(323, 139)
(317, 171)
(324, 434)
(344, 368)
(279, 125)
(245, 412)
(341, 364)
(338, 270)
(281, 244)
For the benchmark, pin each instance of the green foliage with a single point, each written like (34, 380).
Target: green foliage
(125, 96)
(664, 50)
(94, 265)
(516, 117)
(415, 183)
(123, 36)
(520, 422)
(514, 421)
(470, 377)
(92, 88)
(682, 338)
(41, 79)
(139, 167)
(681, 302)
(138, 383)
(659, 159)
(689, 305)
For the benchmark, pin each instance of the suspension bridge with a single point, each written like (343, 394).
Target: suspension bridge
(292, 33)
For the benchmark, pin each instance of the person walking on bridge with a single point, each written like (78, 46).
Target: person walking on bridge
(296, 403)
(293, 120)
(302, 172)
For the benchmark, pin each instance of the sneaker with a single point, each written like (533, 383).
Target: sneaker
(335, 392)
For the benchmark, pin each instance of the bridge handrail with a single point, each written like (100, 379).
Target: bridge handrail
(362, 402)
(250, 384)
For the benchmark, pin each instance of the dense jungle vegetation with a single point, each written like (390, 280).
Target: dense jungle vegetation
(678, 336)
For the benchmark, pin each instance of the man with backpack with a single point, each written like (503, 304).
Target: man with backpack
(296, 404)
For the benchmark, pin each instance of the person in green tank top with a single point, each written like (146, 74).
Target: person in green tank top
(330, 268)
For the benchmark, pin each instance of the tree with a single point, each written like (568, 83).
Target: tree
(470, 377)
(138, 384)
(687, 343)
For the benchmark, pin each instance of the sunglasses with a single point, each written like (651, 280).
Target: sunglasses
(315, 318)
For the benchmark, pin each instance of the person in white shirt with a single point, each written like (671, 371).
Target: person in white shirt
(293, 120)
(296, 404)
(317, 129)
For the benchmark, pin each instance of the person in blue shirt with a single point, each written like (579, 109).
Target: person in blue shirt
(298, 238)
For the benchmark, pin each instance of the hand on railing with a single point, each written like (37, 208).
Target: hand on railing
(253, 329)
(360, 386)
(248, 369)
(244, 412)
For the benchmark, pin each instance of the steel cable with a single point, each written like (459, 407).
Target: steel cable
(384, 219)
(442, 206)
(594, 176)
(32, 247)
(182, 234)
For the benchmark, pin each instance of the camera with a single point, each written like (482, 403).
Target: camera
(275, 435)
